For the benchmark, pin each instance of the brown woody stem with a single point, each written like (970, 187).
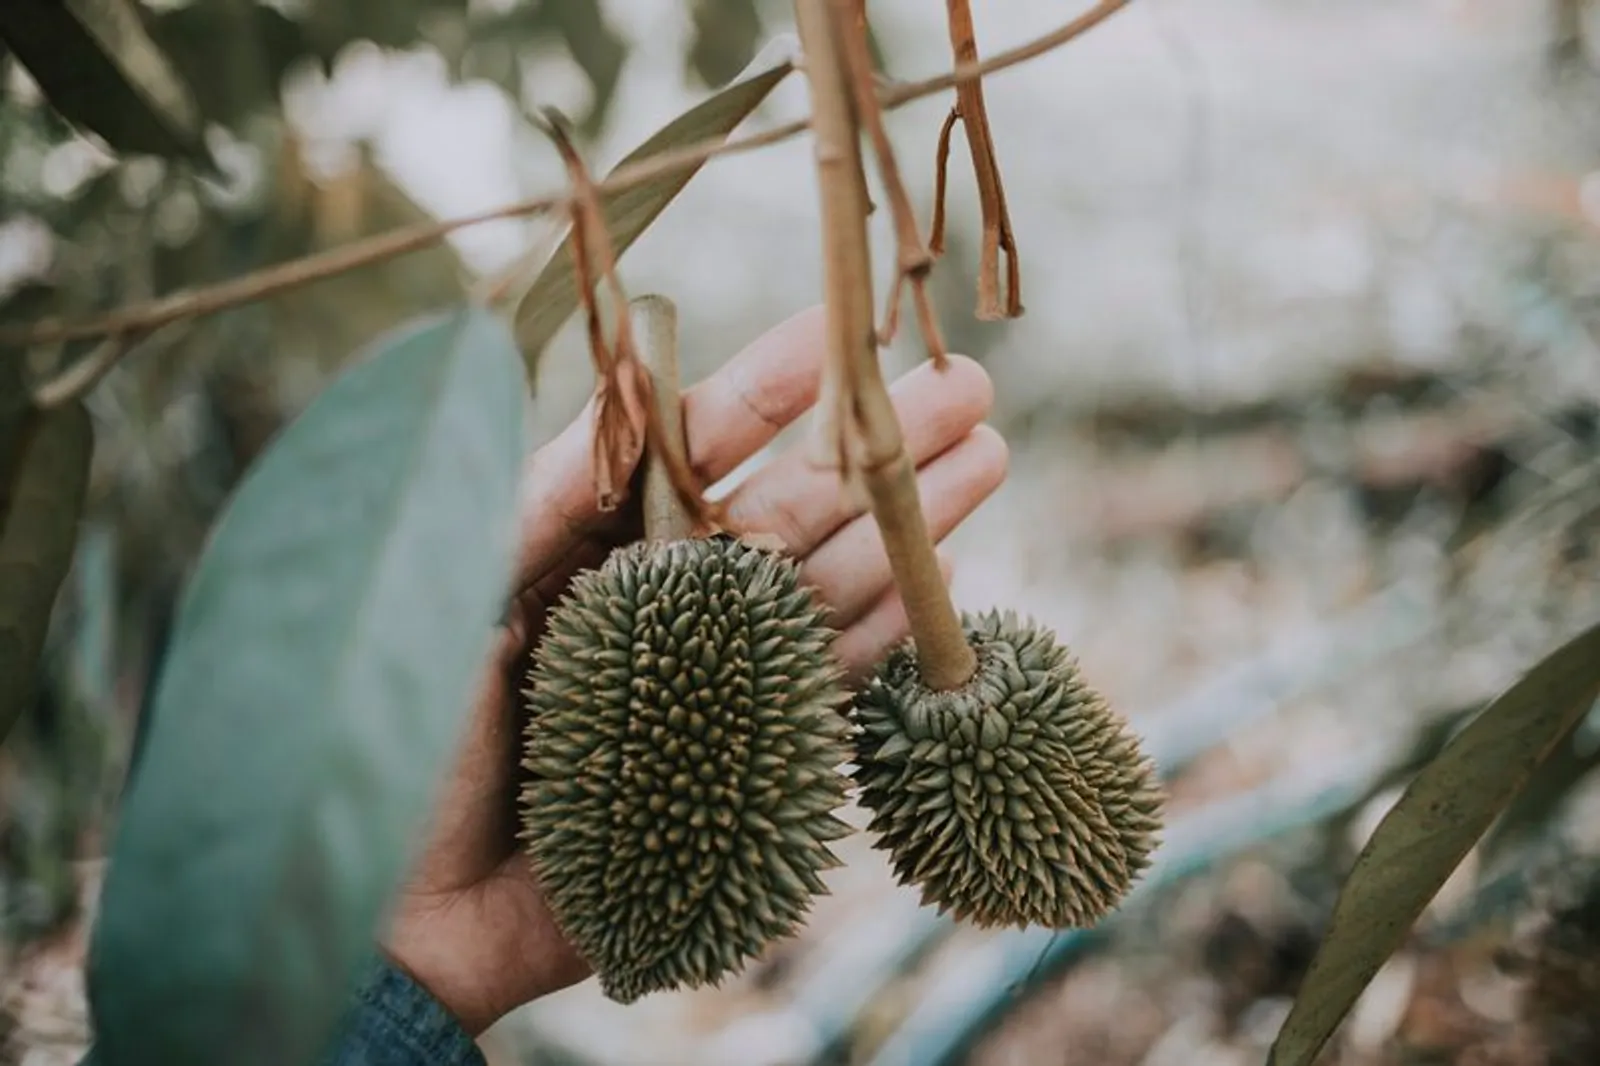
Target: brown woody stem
(655, 327)
(997, 234)
(913, 260)
(870, 431)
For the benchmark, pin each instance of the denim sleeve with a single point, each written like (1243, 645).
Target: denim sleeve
(394, 1021)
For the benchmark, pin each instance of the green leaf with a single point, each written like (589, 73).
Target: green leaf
(322, 659)
(98, 67)
(1424, 837)
(495, 44)
(40, 504)
(553, 297)
(726, 33)
(1530, 814)
(235, 53)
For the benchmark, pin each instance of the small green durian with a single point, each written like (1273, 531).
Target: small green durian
(683, 745)
(1019, 798)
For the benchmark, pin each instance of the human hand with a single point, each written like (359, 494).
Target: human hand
(471, 924)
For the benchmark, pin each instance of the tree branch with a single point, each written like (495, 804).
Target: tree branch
(261, 284)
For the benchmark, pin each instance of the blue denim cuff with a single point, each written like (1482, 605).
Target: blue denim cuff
(396, 1022)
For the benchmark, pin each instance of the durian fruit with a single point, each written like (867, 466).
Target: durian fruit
(997, 780)
(1019, 798)
(683, 747)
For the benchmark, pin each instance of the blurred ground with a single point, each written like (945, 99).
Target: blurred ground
(1311, 311)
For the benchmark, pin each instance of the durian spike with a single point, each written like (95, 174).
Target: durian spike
(655, 330)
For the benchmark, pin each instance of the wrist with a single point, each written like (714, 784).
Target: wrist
(482, 956)
(458, 990)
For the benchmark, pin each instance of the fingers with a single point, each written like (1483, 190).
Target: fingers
(737, 411)
(804, 505)
(850, 569)
(862, 646)
(727, 418)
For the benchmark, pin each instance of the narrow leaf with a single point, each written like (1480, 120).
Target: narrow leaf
(553, 297)
(1421, 841)
(321, 662)
(41, 501)
(98, 67)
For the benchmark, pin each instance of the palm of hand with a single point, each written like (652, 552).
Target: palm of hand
(471, 925)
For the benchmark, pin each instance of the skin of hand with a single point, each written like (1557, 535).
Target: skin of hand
(471, 925)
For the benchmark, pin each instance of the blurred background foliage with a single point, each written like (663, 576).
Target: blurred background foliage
(1237, 415)
(86, 229)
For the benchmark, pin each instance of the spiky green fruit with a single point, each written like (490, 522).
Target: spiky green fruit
(683, 746)
(1018, 799)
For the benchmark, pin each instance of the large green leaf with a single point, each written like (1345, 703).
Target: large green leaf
(98, 67)
(1424, 837)
(41, 500)
(321, 662)
(553, 297)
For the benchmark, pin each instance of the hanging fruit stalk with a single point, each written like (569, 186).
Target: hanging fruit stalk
(683, 740)
(868, 441)
(665, 516)
(998, 781)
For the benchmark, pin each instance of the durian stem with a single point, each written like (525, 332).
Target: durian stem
(655, 329)
(871, 440)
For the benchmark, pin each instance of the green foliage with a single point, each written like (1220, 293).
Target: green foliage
(1424, 837)
(235, 53)
(98, 67)
(41, 500)
(552, 298)
(323, 652)
(726, 34)
(499, 40)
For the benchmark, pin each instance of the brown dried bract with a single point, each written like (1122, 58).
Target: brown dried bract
(997, 235)
(623, 392)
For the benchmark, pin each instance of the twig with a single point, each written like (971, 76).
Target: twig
(82, 375)
(868, 429)
(913, 260)
(261, 284)
(86, 372)
(997, 235)
(941, 181)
